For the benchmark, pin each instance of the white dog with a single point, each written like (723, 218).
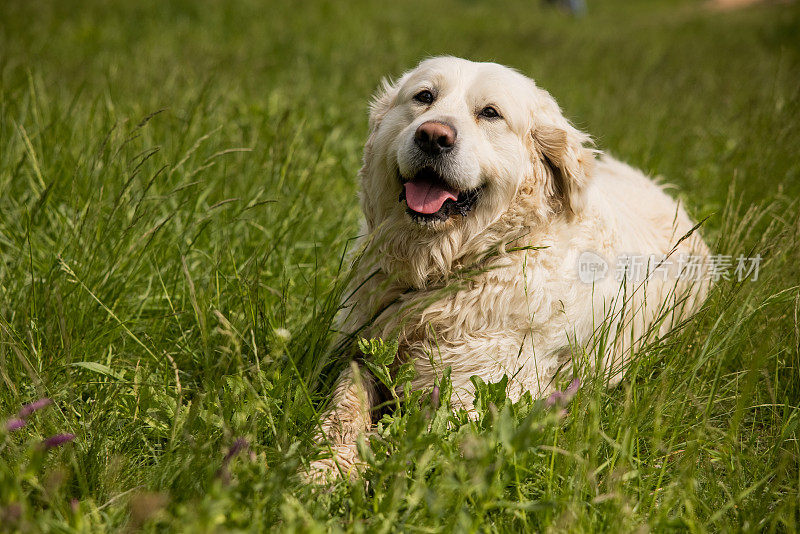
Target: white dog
(496, 242)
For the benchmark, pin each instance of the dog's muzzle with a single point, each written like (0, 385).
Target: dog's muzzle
(435, 138)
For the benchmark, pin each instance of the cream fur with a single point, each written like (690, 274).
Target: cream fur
(517, 311)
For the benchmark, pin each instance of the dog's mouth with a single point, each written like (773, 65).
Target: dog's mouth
(430, 198)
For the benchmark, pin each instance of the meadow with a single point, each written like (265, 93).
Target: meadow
(178, 195)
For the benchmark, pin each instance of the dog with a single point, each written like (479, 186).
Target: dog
(493, 240)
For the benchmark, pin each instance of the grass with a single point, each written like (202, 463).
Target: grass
(178, 188)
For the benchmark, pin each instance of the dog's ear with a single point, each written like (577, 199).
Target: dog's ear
(566, 151)
(382, 102)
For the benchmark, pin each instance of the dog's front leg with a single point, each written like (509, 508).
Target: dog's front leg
(348, 416)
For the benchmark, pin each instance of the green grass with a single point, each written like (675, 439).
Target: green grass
(178, 185)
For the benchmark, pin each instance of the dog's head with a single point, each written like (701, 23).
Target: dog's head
(456, 146)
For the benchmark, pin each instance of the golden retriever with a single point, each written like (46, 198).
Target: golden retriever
(497, 241)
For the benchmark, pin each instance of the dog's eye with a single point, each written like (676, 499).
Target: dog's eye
(425, 97)
(489, 113)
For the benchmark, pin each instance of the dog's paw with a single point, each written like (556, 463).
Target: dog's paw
(344, 463)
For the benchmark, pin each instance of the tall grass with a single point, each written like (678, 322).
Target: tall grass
(178, 194)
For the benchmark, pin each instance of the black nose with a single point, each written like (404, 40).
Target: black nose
(435, 138)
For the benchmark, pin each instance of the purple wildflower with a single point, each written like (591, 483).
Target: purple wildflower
(238, 445)
(57, 440)
(11, 514)
(14, 424)
(563, 397)
(28, 409)
(553, 399)
(435, 397)
(573, 387)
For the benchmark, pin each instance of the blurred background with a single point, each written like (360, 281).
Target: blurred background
(649, 79)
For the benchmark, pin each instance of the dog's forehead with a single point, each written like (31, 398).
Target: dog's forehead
(481, 79)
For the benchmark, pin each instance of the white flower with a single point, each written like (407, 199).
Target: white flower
(283, 334)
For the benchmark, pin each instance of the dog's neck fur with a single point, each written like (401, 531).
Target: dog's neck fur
(431, 259)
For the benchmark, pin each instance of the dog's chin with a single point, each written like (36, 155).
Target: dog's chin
(457, 205)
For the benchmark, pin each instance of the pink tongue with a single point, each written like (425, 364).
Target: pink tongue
(426, 197)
